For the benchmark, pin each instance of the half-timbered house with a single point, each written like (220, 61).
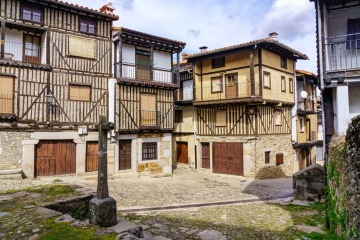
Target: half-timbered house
(55, 64)
(244, 98)
(144, 101)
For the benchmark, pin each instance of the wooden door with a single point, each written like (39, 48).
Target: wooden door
(92, 157)
(231, 86)
(124, 154)
(228, 158)
(302, 159)
(205, 155)
(55, 157)
(182, 152)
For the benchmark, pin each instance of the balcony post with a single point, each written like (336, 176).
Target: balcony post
(178, 67)
(2, 50)
(151, 62)
(119, 63)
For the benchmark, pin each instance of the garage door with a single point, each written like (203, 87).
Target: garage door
(228, 158)
(55, 158)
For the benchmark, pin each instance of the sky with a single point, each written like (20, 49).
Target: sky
(220, 23)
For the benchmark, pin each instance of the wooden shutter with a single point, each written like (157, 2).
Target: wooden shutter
(6, 94)
(80, 92)
(81, 47)
(279, 158)
(220, 119)
(148, 109)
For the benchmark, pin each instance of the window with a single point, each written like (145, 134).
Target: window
(143, 64)
(31, 12)
(149, 151)
(81, 47)
(353, 30)
(220, 119)
(283, 84)
(6, 94)
(291, 85)
(218, 62)
(87, 25)
(302, 124)
(267, 80)
(283, 62)
(267, 157)
(148, 113)
(279, 159)
(32, 49)
(178, 116)
(216, 84)
(79, 92)
(277, 117)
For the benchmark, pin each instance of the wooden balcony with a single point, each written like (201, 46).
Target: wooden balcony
(224, 92)
(184, 94)
(14, 51)
(305, 104)
(149, 119)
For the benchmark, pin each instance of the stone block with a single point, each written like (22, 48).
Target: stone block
(140, 167)
(153, 164)
(167, 169)
(102, 212)
(156, 170)
(167, 153)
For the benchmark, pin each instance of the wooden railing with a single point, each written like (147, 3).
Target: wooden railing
(306, 105)
(149, 118)
(15, 52)
(343, 54)
(238, 90)
(143, 72)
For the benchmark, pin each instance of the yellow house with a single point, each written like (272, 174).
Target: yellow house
(243, 102)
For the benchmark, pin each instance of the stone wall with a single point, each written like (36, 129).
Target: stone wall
(343, 177)
(11, 149)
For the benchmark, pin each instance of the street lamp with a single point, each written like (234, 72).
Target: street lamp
(49, 100)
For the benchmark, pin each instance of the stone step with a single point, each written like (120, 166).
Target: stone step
(155, 170)
(11, 174)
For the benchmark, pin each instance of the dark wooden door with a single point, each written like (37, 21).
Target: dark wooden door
(182, 152)
(92, 157)
(55, 158)
(205, 155)
(228, 158)
(124, 154)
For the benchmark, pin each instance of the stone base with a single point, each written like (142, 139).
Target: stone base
(102, 212)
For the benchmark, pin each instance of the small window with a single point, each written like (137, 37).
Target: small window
(220, 120)
(81, 47)
(32, 49)
(6, 94)
(216, 84)
(279, 159)
(267, 157)
(302, 124)
(31, 12)
(218, 62)
(79, 92)
(178, 116)
(291, 85)
(267, 80)
(149, 151)
(87, 25)
(283, 84)
(277, 117)
(283, 62)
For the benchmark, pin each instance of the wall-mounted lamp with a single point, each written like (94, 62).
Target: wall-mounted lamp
(82, 131)
(49, 100)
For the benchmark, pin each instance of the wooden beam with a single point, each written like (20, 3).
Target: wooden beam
(252, 72)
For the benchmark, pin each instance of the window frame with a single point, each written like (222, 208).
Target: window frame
(218, 62)
(72, 51)
(178, 116)
(29, 58)
(25, 6)
(279, 159)
(217, 118)
(9, 78)
(80, 85)
(267, 157)
(219, 87)
(291, 85)
(277, 117)
(283, 62)
(283, 83)
(267, 74)
(302, 124)
(149, 156)
(87, 22)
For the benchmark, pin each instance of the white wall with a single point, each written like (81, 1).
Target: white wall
(341, 107)
(354, 101)
(162, 60)
(188, 90)
(128, 53)
(337, 21)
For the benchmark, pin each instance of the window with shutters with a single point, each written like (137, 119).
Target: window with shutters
(178, 116)
(216, 84)
(87, 25)
(220, 119)
(291, 85)
(149, 151)
(218, 62)
(283, 62)
(31, 12)
(277, 117)
(302, 124)
(79, 92)
(81, 47)
(267, 80)
(6, 94)
(148, 112)
(279, 159)
(32, 48)
(283, 84)
(267, 157)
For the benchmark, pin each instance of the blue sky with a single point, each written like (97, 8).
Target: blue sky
(220, 23)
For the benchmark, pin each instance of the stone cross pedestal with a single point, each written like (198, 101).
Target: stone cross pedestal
(102, 208)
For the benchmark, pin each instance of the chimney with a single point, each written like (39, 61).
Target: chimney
(184, 57)
(107, 8)
(273, 36)
(203, 48)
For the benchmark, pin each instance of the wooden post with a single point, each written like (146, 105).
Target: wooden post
(2, 50)
(252, 73)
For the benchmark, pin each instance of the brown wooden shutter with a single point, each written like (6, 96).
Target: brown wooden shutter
(6, 94)
(279, 158)
(148, 109)
(220, 119)
(81, 47)
(80, 92)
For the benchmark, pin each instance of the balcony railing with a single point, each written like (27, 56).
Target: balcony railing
(149, 118)
(143, 72)
(15, 52)
(343, 54)
(306, 105)
(225, 91)
(184, 94)
(6, 102)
